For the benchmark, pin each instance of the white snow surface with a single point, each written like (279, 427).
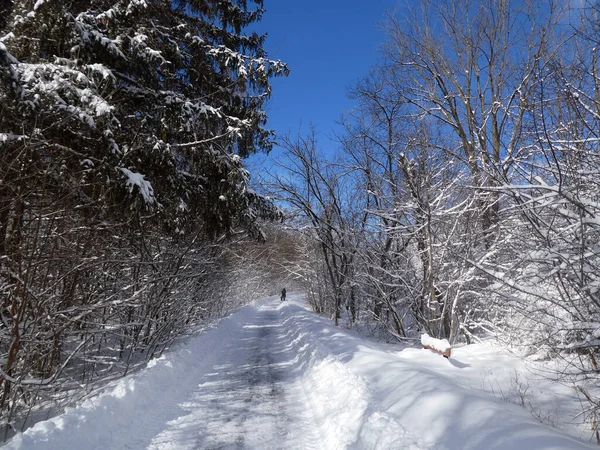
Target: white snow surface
(274, 375)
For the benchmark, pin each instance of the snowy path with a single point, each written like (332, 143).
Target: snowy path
(251, 399)
(277, 376)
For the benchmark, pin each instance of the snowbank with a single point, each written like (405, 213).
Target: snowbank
(406, 400)
(130, 411)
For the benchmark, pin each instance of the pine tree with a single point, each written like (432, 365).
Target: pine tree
(123, 127)
(148, 104)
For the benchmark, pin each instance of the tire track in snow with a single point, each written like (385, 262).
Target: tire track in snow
(252, 399)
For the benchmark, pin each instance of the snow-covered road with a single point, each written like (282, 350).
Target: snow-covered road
(253, 398)
(276, 376)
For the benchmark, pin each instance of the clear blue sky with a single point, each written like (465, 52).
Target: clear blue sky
(328, 45)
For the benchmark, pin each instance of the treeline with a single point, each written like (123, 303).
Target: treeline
(465, 199)
(122, 131)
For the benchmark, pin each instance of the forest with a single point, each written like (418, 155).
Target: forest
(463, 200)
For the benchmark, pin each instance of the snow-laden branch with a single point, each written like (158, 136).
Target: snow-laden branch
(45, 381)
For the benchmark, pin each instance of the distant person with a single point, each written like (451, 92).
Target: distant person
(283, 295)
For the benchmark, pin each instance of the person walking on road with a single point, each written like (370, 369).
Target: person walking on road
(283, 295)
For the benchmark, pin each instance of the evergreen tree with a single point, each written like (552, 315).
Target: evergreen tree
(123, 125)
(148, 104)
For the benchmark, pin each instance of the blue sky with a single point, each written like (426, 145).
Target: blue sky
(328, 45)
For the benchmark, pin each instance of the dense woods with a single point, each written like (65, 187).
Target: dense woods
(463, 202)
(122, 131)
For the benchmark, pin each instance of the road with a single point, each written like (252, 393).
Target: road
(252, 399)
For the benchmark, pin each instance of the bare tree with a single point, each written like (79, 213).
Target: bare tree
(470, 66)
(315, 189)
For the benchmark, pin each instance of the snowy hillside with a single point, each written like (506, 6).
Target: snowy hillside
(275, 375)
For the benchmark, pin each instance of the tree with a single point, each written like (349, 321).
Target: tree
(315, 189)
(412, 229)
(173, 92)
(122, 132)
(470, 67)
(547, 275)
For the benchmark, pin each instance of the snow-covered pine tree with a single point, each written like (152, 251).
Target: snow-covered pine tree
(122, 123)
(150, 101)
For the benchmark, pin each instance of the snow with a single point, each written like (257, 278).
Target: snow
(144, 186)
(441, 345)
(88, 34)
(9, 137)
(275, 375)
(4, 51)
(7, 37)
(183, 207)
(95, 103)
(135, 5)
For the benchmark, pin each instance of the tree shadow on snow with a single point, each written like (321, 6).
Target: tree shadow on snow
(456, 363)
